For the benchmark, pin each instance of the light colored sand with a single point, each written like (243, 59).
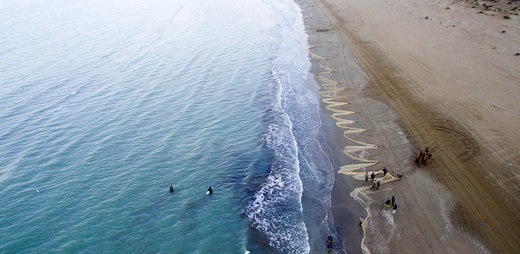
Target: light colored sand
(450, 81)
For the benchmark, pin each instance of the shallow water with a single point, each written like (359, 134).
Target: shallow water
(105, 105)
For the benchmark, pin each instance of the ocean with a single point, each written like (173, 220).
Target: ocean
(104, 105)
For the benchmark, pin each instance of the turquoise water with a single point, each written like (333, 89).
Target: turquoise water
(104, 105)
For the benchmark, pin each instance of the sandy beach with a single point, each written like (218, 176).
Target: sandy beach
(400, 75)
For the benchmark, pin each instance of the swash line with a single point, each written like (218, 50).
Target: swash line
(333, 102)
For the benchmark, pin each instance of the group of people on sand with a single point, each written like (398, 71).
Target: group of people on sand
(210, 190)
(375, 184)
(390, 203)
(423, 157)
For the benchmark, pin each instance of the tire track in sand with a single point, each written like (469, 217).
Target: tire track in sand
(479, 201)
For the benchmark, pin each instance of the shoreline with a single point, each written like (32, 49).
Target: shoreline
(345, 209)
(434, 211)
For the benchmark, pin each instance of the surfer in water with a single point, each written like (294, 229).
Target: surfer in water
(210, 190)
(171, 188)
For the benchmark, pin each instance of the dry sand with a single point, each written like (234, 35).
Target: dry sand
(412, 74)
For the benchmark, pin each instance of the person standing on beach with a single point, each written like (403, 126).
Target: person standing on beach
(366, 176)
(387, 205)
(330, 243)
(395, 209)
(384, 171)
(418, 158)
(372, 176)
(421, 159)
(393, 200)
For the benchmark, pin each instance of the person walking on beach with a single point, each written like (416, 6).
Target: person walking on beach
(395, 209)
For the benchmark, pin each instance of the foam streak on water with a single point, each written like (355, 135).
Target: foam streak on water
(278, 207)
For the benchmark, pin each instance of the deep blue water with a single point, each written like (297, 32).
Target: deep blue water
(103, 105)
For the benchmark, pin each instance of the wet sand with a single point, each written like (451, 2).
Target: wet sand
(398, 76)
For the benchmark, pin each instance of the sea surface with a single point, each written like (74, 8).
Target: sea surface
(105, 104)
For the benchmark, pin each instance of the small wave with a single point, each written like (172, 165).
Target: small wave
(4, 175)
(276, 209)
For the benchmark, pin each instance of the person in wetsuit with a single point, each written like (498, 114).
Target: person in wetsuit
(171, 188)
(210, 190)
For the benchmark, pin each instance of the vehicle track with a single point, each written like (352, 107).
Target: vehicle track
(455, 147)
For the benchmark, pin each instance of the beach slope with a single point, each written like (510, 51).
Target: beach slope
(451, 74)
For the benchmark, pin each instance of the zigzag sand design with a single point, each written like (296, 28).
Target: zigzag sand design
(334, 97)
